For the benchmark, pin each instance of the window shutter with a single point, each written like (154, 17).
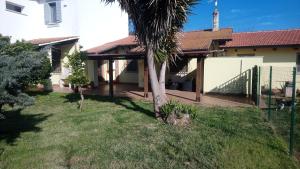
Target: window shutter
(58, 11)
(46, 13)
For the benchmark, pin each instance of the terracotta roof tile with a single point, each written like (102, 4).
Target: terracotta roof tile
(42, 41)
(265, 38)
(194, 40)
(201, 40)
(130, 40)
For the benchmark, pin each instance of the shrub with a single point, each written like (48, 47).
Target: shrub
(21, 65)
(178, 109)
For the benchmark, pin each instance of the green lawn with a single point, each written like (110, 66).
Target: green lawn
(53, 134)
(281, 122)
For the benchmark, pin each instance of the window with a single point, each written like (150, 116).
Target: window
(56, 62)
(14, 7)
(52, 12)
(298, 63)
(132, 66)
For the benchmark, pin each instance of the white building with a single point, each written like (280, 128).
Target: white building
(92, 21)
(60, 26)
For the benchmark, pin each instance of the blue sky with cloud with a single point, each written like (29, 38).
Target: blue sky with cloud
(247, 15)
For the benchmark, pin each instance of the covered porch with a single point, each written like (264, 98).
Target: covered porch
(195, 47)
(142, 73)
(132, 91)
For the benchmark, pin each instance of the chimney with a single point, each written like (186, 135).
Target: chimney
(216, 17)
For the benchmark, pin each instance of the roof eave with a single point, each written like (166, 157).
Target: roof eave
(261, 46)
(59, 41)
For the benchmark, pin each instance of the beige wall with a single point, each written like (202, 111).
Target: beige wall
(56, 78)
(283, 59)
(124, 75)
(91, 67)
(229, 74)
(120, 73)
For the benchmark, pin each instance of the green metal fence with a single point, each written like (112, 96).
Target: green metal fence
(274, 90)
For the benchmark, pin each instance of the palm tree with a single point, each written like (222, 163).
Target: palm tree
(156, 22)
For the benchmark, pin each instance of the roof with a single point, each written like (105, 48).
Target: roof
(189, 41)
(201, 40)
(265, 38)
(46, 41)
(128, 41)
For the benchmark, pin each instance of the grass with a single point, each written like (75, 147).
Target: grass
(281, 123)
(121, 133)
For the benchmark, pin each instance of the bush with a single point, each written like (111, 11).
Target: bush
(178, 109)
(21, 65)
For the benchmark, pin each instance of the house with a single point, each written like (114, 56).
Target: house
(215, 60)
(279, 48)
(60, 26)
(127, 61)
(58, 49)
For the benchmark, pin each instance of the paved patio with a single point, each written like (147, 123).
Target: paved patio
(134, 92)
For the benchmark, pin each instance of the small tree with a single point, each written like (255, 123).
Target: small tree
(78, 74)
(21, 65)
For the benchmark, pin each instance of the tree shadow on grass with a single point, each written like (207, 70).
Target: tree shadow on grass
(121, 101)
(16, 123)
(38, 93)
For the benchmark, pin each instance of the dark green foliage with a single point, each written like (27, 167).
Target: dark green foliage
(77, 65)
(20, 65)
(178, 108)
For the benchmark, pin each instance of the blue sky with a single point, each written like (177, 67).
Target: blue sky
(247, 15)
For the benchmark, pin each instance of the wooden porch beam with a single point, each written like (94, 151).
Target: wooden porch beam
(199, 78)
(111, 87)
(146, 78)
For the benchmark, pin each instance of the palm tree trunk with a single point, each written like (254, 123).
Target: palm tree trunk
(158, 100)
(162, 79)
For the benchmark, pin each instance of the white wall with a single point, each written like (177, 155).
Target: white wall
(30, 24)
(93, 21)
(100, 23)
(229, 74)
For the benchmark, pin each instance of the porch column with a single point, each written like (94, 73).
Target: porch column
(199, 78)
(111, 87)
(146, 77)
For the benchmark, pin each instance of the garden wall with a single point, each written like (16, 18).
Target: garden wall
(229, 75)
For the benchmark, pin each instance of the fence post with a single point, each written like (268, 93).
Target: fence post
(291, 147)
(258, 86)
(270, 94)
